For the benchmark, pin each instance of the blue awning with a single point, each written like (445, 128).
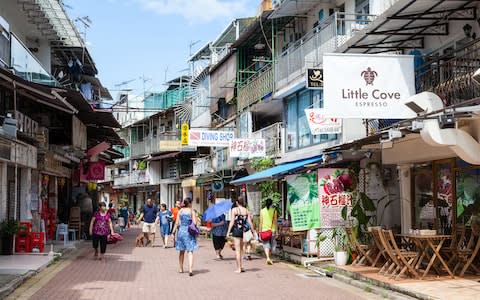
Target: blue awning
(277, 171)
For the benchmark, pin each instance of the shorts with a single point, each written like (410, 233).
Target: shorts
(165, 229)
(270, 243)
(148, 227)
(218, 242)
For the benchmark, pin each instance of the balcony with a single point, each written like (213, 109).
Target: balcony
(131, 178)
(164, 100)
(308, 51)
(450, 76)
(256, 87)
(121, 180)
(125, 151)
(273, 141)
(27, 66)
(154, 144)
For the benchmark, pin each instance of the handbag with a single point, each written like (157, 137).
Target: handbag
(247, 236)
(267, 234)
(193, 229)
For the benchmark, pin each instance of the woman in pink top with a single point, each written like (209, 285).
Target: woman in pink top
(100, 227)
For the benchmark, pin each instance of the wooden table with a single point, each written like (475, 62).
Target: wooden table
(424, 244)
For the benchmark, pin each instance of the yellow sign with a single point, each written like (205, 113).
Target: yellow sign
(184, 134)
(175, 145)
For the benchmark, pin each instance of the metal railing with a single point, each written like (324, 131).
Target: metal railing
(450, 76)
(121, 180)
(152, 144)
(255, 87)
(27, 66)
(273, 141)
(308, 51)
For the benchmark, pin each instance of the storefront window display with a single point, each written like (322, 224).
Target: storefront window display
(423, 205)
(467, 192)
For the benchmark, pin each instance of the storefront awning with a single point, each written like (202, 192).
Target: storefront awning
(277, 171)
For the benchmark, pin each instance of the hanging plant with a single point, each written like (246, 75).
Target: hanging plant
(269, 189)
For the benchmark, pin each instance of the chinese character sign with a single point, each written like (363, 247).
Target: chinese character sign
(319, 124)
(185, 134)
(247, 148)
(303, 201)
(335, 187)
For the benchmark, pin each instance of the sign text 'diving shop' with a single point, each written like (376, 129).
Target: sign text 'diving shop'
(368, 85)
(209, 138)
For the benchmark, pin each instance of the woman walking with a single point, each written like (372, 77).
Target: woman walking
(268, 227)
(164, 218)
(185, 241)
(100, 227)
(240, 221)
(219, 232)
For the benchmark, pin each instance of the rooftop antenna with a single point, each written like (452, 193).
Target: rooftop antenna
(86, 24)
(192, 63)
(121, 84)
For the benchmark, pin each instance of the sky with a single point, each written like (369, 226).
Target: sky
(141, 40)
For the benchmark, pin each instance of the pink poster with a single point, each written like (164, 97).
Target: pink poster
(335, 187)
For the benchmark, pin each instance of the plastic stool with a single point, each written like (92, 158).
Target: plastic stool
(74, 234)
(62, 229)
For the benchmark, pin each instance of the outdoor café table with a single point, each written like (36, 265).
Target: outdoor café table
(425, 243)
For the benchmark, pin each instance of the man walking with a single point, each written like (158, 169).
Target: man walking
(149, 215)
(175, 211)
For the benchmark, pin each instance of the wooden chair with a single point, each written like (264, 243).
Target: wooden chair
(377, 247)
(364, 252)
(404, 260)
(458, 242)
(382, 251)
(467, 254)
(74, 221)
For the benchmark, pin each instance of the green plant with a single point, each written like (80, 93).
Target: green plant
(340, 240)
(269, 189)
(320, 238)
(9, 227)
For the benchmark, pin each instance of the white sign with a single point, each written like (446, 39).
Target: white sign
(368, 86)
(209, 138)
(247, 148)
(319, 124)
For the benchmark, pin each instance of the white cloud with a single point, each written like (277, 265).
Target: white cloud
(198, 11)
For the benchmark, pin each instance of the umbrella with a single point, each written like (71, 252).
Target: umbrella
(217, 210)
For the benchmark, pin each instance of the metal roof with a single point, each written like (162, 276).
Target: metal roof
(406, 24)
(292, 8)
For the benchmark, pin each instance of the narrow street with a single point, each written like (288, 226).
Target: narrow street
(152, 273)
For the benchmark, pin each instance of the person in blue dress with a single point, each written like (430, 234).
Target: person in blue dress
(164, 218)
(185, 241)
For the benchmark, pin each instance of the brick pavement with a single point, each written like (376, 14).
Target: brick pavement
(152, 273)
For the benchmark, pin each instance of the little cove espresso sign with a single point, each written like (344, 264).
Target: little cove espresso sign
(368, 85)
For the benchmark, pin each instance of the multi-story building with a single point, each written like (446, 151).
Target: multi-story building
(51, 130)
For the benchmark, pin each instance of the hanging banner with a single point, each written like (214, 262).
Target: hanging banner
(209, 138)
(335, 187)
(247, 148)
(319, 124)
(303, 201)
(368, 86)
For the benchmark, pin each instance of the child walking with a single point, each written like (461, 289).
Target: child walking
(164, 218)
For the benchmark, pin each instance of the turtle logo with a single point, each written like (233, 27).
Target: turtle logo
(369, 75)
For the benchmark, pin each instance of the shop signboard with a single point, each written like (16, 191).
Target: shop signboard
(320, 124)
(247, 148)
(314, 78)
(209, 138)
(303, 201)
(368, 86)
(184, 134)
(335, 188)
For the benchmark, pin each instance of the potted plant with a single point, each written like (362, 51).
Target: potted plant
(318, 241)
(8, 229)
(342, 247)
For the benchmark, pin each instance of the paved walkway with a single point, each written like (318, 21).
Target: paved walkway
(152, 273)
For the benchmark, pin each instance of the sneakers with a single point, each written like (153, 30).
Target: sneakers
(269, 262)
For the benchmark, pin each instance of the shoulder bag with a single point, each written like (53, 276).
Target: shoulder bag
(267, 234)
(192, 228)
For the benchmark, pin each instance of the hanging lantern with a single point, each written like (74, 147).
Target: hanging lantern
(61, 182)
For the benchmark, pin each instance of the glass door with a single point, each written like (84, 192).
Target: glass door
(423, 206)
(444, 196)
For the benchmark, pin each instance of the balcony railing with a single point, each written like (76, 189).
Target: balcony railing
(273, 141)
(166, 99)
(152, 144)
(131, 178)
(308, 51)
(450, 76)
(27, 66)
(121, 180)
(256, 87)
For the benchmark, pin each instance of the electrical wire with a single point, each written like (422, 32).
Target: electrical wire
(265, 36)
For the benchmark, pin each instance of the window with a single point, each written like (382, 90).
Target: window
(298, 131)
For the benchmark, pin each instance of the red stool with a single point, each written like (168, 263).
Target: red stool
(23, 244)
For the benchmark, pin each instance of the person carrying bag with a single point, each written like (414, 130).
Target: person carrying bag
(268, 227)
